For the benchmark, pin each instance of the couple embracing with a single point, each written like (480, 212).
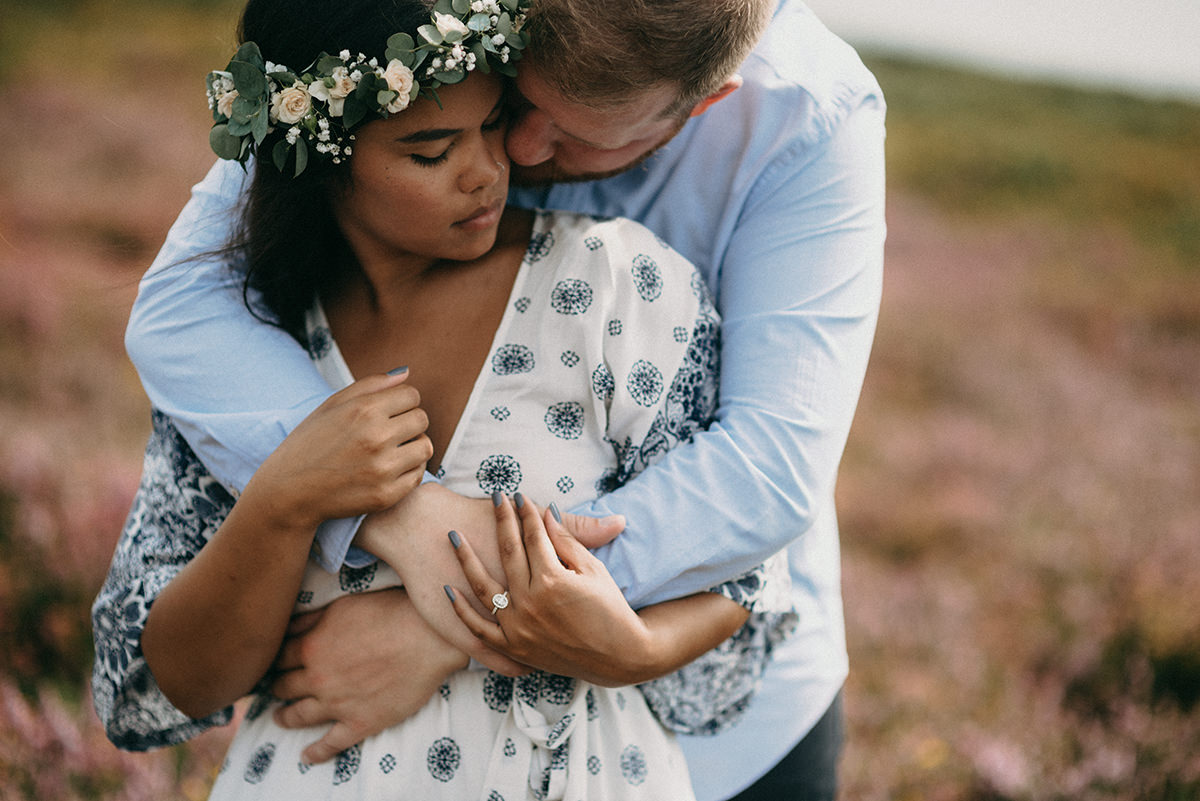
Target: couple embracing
(454, 189)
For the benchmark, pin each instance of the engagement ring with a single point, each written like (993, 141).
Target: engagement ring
(499, 601)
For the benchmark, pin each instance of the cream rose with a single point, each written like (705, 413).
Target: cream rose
(446, 23)
(400, 80)
(290, 105)
(225, 102)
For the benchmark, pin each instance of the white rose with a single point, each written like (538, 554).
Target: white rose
(343, 84)
(400, 80)
(446, 23)
(225, 103)
(290, 105)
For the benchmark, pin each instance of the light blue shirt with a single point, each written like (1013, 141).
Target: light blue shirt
(776, 194)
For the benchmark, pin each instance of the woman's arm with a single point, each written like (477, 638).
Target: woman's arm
(214, 630)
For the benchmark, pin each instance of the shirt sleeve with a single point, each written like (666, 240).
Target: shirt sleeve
(178, 507)
(234, 387)
(799, 295)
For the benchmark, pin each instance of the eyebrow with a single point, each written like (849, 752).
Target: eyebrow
(434, 134)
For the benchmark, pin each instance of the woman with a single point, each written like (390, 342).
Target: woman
(555, 354)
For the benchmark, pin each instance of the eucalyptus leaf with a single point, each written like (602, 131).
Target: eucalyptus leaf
(401, 41)
(327, 63)
(511, 5)
(449, 78)
(259, 125)
(508, 70)
(504, 25)
(240, 127)
(479, 22)
(481, 62)
(244, 108)
(250, 53)
(444, 6)
(353, 111)
(248, 79)
(279, 154)
(431, 34)
(460, 6)
(452, 37)
(301, 156)
(225, 144)
(385, 96)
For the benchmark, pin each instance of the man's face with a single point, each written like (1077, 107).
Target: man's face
(551, 139)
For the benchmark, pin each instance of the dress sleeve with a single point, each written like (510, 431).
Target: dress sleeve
(178, 507)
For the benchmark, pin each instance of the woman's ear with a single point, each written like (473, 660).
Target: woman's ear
(726, 89)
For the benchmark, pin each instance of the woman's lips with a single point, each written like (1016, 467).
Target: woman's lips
(483, 217)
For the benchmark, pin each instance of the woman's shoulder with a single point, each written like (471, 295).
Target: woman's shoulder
(618, 248)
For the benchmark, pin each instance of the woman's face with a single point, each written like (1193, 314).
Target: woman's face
(429, 181)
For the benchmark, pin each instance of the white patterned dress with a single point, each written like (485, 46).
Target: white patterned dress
(605, 358)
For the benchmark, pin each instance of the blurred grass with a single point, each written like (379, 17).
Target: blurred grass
(1019, 496)
(983, 145)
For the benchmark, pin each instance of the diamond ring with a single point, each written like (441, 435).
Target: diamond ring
(499, 601)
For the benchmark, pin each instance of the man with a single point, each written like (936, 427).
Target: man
(769, 177)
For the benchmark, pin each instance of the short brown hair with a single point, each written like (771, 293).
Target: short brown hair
(602, 51)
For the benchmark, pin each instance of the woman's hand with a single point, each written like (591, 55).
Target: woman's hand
(362, 450)
(565, 613)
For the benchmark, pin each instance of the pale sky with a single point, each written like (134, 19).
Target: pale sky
(1143, 45)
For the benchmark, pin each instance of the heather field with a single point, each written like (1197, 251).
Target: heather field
(1020, 496)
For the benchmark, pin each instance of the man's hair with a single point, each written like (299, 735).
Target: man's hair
(602, 51)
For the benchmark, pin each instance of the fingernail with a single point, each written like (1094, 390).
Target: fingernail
(519, 500)
(555, 514)
(398, 370)
(455, 540)
(497, 498)
(449, 592)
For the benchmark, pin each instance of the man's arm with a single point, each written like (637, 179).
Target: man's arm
(233, 386)
(799, 297)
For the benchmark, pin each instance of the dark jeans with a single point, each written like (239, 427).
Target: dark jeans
(809, 771)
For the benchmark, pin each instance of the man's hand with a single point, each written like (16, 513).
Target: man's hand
(364, 663)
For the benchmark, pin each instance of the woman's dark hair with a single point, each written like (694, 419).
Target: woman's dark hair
(288, 243)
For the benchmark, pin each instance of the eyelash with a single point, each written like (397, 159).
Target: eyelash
(433, 161)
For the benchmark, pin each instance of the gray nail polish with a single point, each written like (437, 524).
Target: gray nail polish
(449, 592)
(554, 513)
(497, 498)
(455, 540)
(519, 500)
(398, 370)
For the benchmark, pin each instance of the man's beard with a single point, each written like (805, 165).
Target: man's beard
(548, 172)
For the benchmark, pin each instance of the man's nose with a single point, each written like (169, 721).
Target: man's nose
(531, 138)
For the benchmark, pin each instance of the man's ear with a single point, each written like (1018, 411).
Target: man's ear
(726, 89)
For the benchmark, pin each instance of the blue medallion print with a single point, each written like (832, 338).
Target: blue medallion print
(593, 764)
(346, 764)
(569, 358)
(633, 765)
(388, 763)
(593, 242)
(522, 304)
(614, 328)
(320, 342)
(497, 692)
(356, 579)
(512, 359)
(645, 383)
(565, 420)
(540, 245)
(499, 473)
(602, 383)
(259, 764)
(500, 413)
(571, 296)
(647, 278)
(443, 759)
(565, 484)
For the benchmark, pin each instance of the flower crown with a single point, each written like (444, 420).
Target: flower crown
(323, 103)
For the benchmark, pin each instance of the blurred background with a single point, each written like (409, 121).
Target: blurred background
(1021, 492)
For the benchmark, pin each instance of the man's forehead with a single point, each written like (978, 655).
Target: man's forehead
(599, 127)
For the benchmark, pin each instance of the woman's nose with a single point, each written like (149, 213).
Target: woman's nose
(487, 168)
(531, 137)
